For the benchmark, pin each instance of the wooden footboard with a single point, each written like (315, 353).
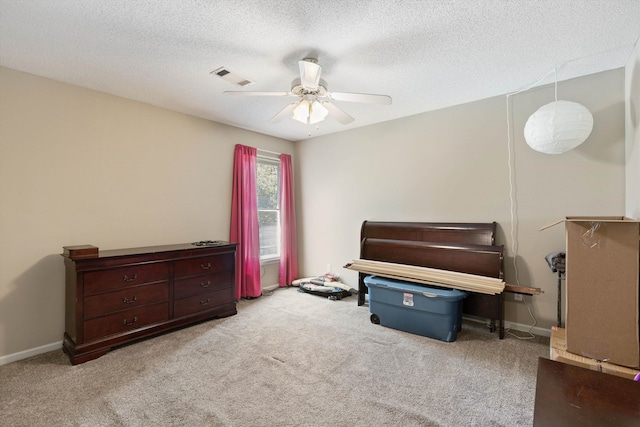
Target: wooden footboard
(464, 247)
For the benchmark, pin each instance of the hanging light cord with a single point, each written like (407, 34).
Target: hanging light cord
(512, 201)
(555, 87)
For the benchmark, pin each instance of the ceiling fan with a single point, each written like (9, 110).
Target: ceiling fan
(314, 103)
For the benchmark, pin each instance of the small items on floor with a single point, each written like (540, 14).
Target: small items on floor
(327, 285)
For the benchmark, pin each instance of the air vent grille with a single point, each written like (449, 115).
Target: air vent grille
(228, 75)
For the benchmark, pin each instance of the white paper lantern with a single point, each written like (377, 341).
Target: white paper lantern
(558, 127)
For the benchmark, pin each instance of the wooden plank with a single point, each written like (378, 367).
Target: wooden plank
(522, 290)
(430, 276)
(436, 280)
(434, 274)
(433, 271)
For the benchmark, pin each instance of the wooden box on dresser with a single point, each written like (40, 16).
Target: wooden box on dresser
(119, 296)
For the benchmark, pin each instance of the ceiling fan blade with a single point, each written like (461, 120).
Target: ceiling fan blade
(285, 112)
(309, 74)
(337, 113)
(240, 93)
(360, 97)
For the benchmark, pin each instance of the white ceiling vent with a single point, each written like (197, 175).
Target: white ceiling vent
(226, 74)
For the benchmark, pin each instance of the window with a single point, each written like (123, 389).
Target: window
(267, 185)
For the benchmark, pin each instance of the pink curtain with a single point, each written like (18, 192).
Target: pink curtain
(244, 223)
(288, 243)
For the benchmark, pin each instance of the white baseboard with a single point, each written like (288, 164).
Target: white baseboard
(30, 353)
(270, 288)
(543, 332)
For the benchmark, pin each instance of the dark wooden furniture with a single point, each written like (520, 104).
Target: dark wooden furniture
(569, 395)
(443, 232)
(116, 297)
(461, 247)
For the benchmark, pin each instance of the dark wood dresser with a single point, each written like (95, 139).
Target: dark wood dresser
(119, 296)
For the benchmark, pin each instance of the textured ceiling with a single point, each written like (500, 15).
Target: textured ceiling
(426, 54)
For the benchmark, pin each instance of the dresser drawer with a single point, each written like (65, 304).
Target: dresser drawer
(99, 305)
(105, 280)
(201, 284)
(125, 321)
(202, 302)
(203, 265)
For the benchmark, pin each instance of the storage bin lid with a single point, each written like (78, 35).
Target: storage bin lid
(404, 286)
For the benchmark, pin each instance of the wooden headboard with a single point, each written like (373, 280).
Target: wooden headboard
(482, 260)
(442, 232)
(461, 247)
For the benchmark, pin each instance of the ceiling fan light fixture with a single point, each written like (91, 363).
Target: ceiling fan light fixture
(301, 112)
(317, 113)
(310, 112)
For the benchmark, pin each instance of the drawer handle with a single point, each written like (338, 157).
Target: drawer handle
(130, 279)
(205, 285)
(204, 302)
(129, 301)
(135, 319)
(205, 267)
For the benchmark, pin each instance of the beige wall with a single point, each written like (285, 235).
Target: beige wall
(82, 167)
(632, 133)
(452, 165)
(78, 166)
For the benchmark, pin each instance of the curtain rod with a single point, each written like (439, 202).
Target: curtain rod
(268, 152)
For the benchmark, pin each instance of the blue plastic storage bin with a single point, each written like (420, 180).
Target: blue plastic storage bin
(423, 310)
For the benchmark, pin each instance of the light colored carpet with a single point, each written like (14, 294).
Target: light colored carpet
(286, 359)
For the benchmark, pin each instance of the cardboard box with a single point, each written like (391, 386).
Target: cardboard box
(558, 352)
(602, 271)
(418, 309)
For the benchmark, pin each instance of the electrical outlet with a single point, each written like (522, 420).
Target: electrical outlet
(517, 297)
